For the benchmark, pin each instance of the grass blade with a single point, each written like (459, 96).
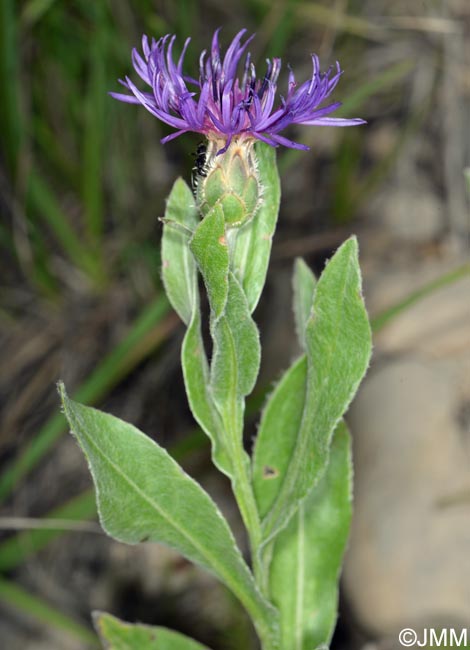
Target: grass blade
(20, 547)
(10, 114)
(42, 199)
(149, 330)
(95, 128)
(35, 607)
(382, 319)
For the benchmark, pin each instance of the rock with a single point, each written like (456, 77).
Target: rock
(412, 213)
(409, 559)
(438, 326)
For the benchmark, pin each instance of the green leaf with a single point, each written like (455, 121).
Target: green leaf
(338, 341)
(277, 434)
(234, 369)
(196, 379)
(254, 239)
(304, 283)
(209, 247)
(179, 271)
(144, 495)
(308, 555)
(237, 351)
(117, 635)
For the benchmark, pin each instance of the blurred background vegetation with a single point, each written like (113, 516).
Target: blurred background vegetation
(83, 180)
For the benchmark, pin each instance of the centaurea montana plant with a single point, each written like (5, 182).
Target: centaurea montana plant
(294, 491)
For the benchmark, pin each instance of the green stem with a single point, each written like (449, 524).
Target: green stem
(242, 484)
(245, 497)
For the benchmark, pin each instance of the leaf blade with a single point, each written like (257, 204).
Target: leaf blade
(144, 495)
(309, 554)
(277, 433)
(209, 247)
(338, 340)
(196, 379)
(118, 635)
(254, 239)
(179, 271)
(303, 282)
(235, 323)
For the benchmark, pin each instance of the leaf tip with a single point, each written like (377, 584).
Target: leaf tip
(351, 244)
(99, 621)
(96, 616)
(62, 392)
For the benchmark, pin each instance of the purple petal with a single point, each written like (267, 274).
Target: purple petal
(172, 136)
(202, 104)
(140, 66)
(231, 53)
(216, 122)
(227, 145)
(181, 59)
(309, 115)
(227, 103)
(145, 46)
(164, 117)
(215, 49)
(128, 99)
(227, 106)
(234, 54)
(264, 138)
(334, 121)
(289, 143)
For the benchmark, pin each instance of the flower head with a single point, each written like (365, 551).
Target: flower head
(221, 104)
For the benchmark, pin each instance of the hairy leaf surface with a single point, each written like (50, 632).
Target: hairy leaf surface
(338, 343)
(210, 249)
(254, 239)
(308, 555)
(303, 283)
(197, 383)
(179, 271)
(144, 495)
(234, 367)
(118, 635)
(277, 434)
(237, 350)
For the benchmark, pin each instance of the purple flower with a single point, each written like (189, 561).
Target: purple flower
(222, 105)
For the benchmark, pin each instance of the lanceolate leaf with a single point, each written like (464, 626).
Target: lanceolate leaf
(303, 282)
(217, 398)
(117, 635)
(282, 416)
(234, 368)
(254, 239)
(308, 555)
(179, 271)
(144, 495)
(237, 351)
(209, 247)
(196, 379)
(338, 342)
(277, 434)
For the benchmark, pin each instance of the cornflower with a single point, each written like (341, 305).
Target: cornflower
(221, 105)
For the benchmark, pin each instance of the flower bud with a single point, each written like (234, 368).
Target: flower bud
(231, 180)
